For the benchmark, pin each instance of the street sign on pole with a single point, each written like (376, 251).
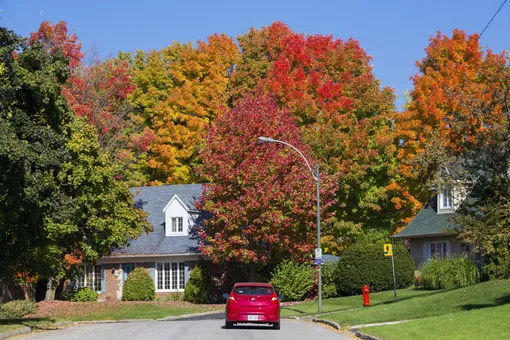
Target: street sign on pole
(318, 253)
(388, 249)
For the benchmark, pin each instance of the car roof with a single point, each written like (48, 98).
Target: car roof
(253, 284)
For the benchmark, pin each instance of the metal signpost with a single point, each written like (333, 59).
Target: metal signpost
(388, 251)
(316, 177)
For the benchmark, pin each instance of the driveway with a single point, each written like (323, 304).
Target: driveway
(187, 329)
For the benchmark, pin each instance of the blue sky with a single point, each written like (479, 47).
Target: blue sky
(394, 32)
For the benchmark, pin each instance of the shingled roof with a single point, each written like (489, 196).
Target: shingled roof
(153, 200)
(428, 223)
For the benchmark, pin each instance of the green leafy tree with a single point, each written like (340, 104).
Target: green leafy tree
(34, 120)
(58, 190)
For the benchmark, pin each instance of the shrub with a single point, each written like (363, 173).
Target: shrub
(67, 295)
(179, 296)
(365, 264)
(448, 273)
(198, 287)
(17, 309)
(84, 295)
(139, 286)
(329, 279)
(293, 280)
(497, 264)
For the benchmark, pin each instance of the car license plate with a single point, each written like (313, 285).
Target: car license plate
(253, 318)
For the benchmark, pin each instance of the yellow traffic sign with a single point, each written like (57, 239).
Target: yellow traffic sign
(388, 250)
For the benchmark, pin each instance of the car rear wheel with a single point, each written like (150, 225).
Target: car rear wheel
(228, 324)
(276, 325)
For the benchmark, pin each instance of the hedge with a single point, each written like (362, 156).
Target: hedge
(365, 264)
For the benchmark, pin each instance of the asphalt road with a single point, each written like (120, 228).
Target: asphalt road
(188, 329)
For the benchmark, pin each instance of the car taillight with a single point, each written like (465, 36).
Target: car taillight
(232, 299)
(274, 298)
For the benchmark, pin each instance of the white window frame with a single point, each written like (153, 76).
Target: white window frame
(94, 280)
(177, 225)
(444, 246)
(172, 276)
(446, 194)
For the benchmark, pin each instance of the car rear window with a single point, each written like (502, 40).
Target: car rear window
(253, 290)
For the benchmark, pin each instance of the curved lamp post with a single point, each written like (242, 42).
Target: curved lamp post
(317, 182)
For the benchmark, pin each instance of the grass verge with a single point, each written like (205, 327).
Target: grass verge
(34, 323)
(486, 323)
(486, 294)
(350, 302)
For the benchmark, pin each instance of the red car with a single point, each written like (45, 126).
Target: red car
(252, 302)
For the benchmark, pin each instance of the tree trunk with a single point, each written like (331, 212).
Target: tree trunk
(252, 271)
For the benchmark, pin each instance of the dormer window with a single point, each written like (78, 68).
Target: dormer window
(177, 217)
(445, 199)
(177, 226)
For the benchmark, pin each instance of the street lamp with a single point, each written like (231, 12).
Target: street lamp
(318, 255)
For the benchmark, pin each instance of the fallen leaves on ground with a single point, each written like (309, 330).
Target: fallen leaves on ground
(67, 309)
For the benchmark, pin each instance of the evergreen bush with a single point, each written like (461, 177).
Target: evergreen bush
(293, 280)
(139, 286)
(198, 287)
(17, 309)
(329, 279)
(365, 264)
(451, 272)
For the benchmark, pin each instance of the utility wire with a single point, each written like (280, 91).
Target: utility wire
(499, 9)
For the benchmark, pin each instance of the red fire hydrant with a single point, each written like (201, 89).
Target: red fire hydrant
(366, 295)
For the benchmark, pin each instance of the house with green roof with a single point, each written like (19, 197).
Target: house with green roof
(432, 232)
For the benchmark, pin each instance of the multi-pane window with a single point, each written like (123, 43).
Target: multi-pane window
(174, 275)
(159, 269)
(438, 249)
(91, 278)
(170, 276)
(445, 199)
(177, 225)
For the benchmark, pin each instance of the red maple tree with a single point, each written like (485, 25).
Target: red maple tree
(261, 197)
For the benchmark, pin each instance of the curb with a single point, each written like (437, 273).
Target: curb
(327, 322)
(28, 329)
(111, 321)
(185, 316)
(54, 326)
(365, 336)
(15, 332)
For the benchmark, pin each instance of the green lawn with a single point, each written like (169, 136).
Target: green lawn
(350, 302)
(486, 323)
(432, 303)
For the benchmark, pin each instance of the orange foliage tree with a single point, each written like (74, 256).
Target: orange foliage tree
(180, 90)
(452, 105)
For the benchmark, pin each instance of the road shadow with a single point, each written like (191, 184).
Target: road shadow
(498, 302)
(251, 326)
